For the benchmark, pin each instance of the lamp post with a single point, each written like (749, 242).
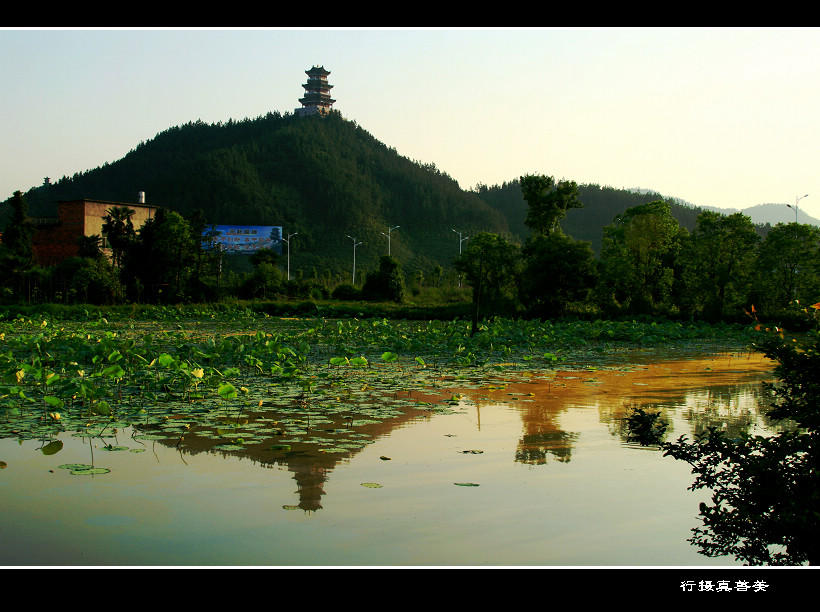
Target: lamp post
(355, 244)
(460, 240)
(288, 243)
(796, 200)
(389, 231)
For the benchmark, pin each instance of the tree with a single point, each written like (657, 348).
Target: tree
(19, 232)
(162, 258)
(90, 246)
(118, 231)
(639, 259)
(386, 284)
(86, 280)
(765, 503)
(264, 256)
(548, 201)
(17, 250)
(719, 263)
(788, 266)
(557, 271)
(492, 266)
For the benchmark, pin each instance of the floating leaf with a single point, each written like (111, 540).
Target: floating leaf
(371, 485)
(90, 470)
(52, 447)
(465, 484)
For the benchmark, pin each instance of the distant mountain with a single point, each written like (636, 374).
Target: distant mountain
(770, 213)
(761, 214)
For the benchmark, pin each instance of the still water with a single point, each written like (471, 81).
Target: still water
(535, 473)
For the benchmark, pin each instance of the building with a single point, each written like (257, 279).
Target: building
(55, 239)
(317, 98)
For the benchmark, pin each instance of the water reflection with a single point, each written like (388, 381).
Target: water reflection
(280, 483)
(693, 394)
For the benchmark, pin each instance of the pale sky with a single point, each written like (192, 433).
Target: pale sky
(716, 117)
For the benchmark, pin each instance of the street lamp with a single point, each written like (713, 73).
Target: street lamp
(389, 231)
(355, 244)
(796, 200)
(288, 242)
(460, 240)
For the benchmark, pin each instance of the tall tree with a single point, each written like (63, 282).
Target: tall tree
(557, 270)
(492, 266)
(719, 263)
(788, 266)
(639, 257)
(19, 232)
(162, 259)
(548, 201)
(17, 251)
(118, 231)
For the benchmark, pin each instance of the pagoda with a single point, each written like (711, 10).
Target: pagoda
(317, 98)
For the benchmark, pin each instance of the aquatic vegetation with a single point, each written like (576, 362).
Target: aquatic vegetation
(272, 384)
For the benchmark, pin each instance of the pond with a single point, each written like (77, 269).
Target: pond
(534, 471)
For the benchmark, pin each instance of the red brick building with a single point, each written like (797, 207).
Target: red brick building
(56, 238)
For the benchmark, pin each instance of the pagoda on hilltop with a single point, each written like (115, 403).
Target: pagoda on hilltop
(317, 98)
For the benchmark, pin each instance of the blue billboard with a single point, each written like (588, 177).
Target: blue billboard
(245, 239)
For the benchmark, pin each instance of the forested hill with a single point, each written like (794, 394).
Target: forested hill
(328, 180)
(601, 205)
(324, 178)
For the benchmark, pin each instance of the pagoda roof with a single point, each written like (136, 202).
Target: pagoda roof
(317, 70)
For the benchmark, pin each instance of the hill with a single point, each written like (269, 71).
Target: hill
(324, 178)
(771, 214)
(327, 180)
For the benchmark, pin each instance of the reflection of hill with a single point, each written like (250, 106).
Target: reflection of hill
(310, 442)
(309, 455)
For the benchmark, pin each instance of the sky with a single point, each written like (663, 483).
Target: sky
(724, 117)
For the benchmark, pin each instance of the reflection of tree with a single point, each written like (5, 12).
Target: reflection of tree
(535, 448)
(726, 408)
(542, 437)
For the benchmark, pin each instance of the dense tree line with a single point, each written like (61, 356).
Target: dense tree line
(649, 263)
